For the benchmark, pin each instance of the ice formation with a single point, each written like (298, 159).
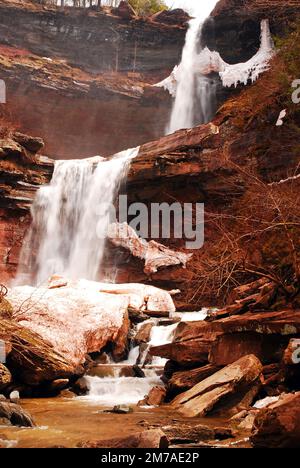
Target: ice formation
(209, 61)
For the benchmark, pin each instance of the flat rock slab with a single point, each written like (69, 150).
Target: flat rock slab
(237, 379)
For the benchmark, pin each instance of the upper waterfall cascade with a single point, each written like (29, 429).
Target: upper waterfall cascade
(195, 93)
(190, 82)
(70, 217)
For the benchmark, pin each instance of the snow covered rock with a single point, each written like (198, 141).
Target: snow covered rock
(209, 61)
(81, 317)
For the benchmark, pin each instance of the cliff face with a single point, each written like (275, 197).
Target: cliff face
(55, 61)
(230, 165)
(234, 29)
(22, 171)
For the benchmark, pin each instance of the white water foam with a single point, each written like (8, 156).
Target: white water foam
(115, 390)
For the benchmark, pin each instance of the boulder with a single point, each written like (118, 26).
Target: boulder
(121, 409)
(278, 425)
(143, 334)
(156, 396)
(187, 433)
(147, 439)
(14, 397)
(15, 414)
(236, 385)
(81, 386)
(58, 327)
(5, 377)
(155, 255)
(75, 320)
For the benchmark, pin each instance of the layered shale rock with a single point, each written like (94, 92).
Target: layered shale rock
(22, 171)
(53, 59)
(223, 341)
(229, 389)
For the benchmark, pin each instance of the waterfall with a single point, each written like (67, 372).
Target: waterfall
(195, 93)
(70, 217)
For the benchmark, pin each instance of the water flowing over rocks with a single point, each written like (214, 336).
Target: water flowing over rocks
(223, 341)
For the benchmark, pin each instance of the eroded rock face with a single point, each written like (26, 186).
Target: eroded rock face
(234, 28)
(22, 171)
(278, 425)
(239, 380)
(156, 396)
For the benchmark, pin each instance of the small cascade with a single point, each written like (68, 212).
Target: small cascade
(115, 384)
(70, 217)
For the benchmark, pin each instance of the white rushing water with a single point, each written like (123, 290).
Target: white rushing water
(195, 95)
(70, 217)
(116, 389)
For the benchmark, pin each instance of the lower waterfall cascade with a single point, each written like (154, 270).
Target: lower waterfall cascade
(70, 217)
